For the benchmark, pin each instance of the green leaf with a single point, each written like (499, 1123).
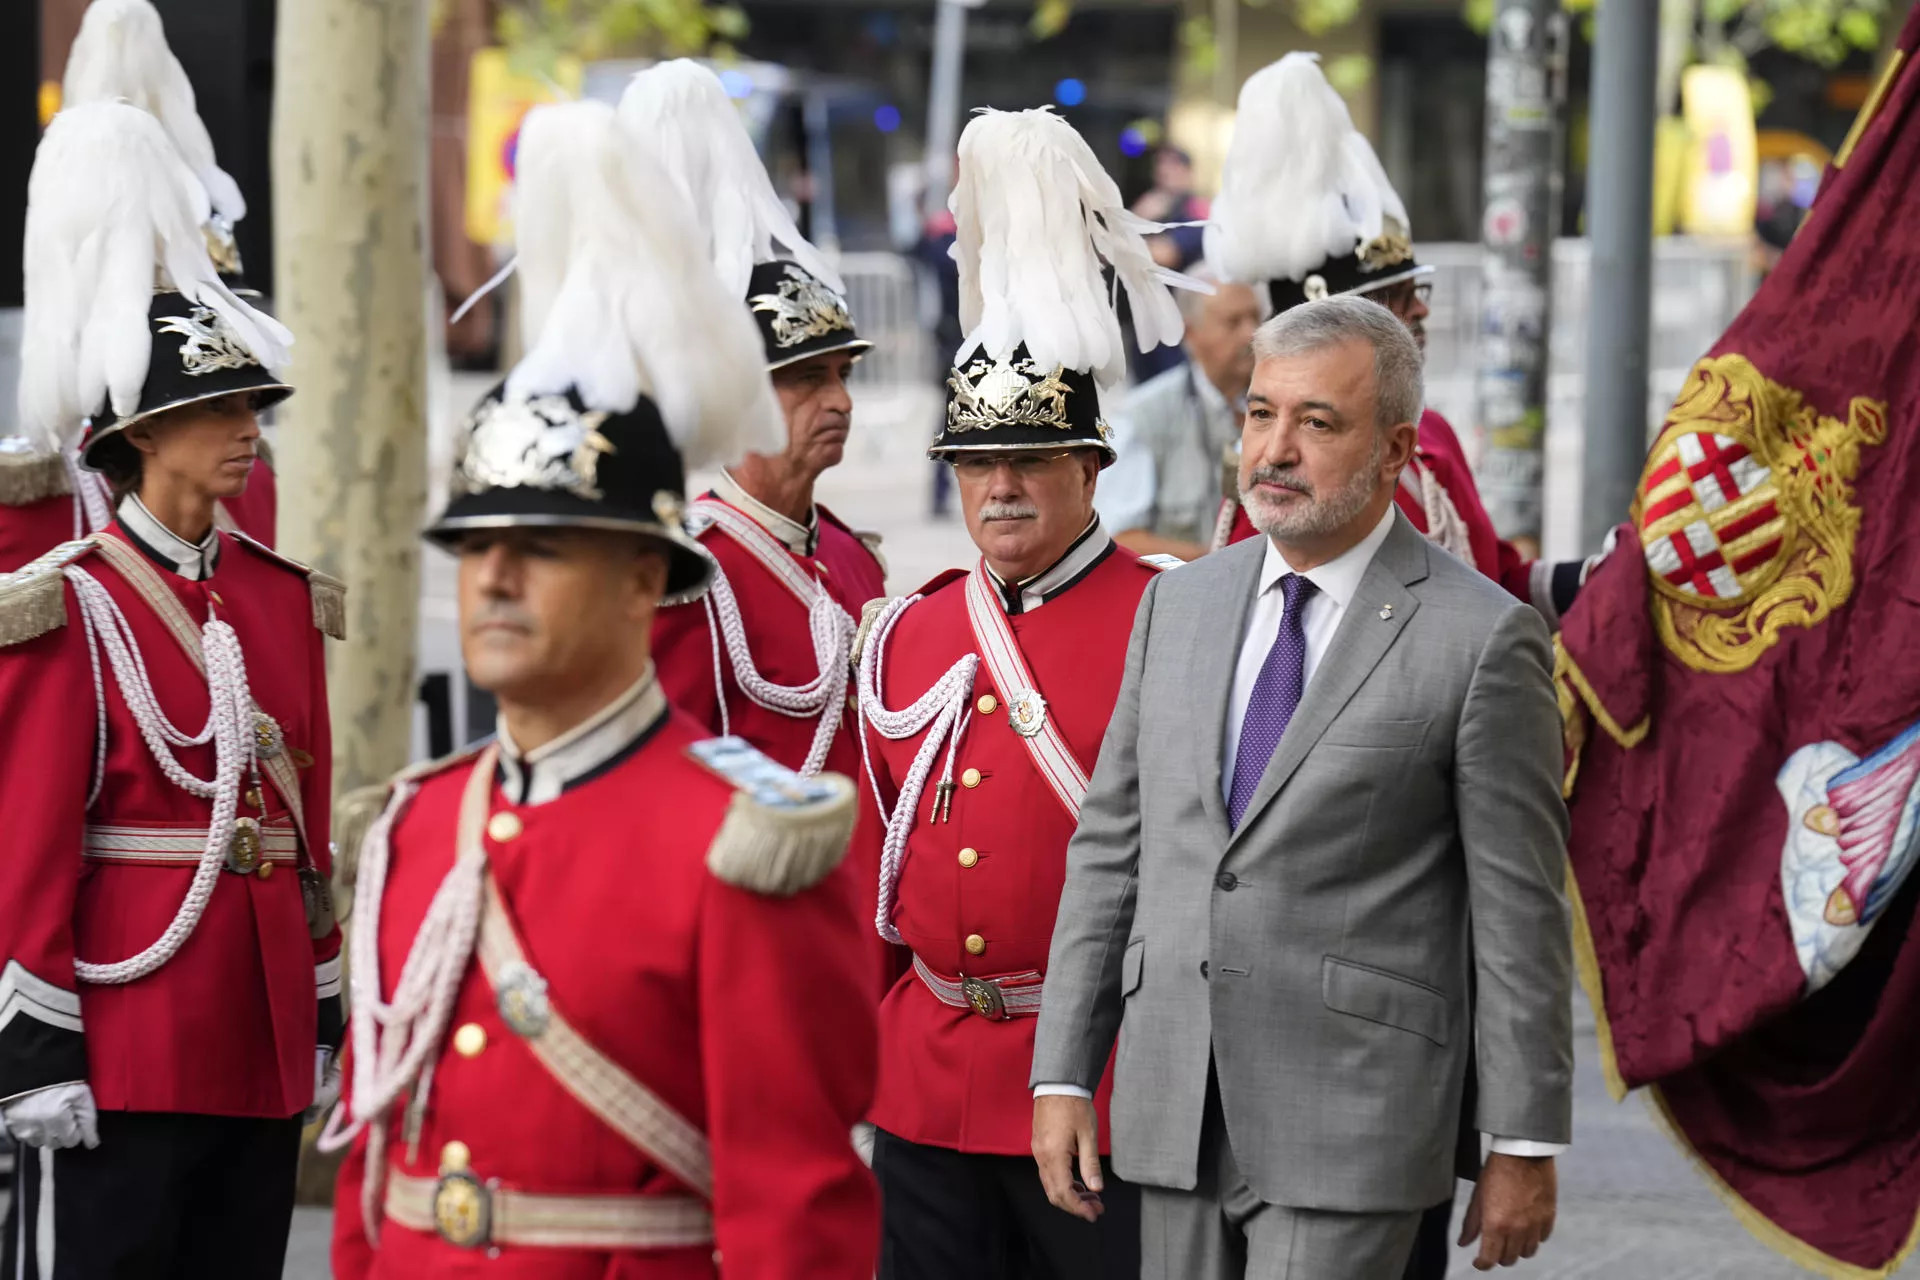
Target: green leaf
(1050, 18)
(1350, 72)
(1860, 28)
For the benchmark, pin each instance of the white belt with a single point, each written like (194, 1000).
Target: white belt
(466, 1212)
(180, 846)
(994, 999)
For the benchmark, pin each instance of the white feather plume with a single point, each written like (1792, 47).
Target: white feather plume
(1300, 185)
(122, 53)
(1035, 218)
(682, 112)
(618, 297)
(113, 212)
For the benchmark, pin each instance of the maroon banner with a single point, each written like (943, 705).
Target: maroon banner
(1742, 682)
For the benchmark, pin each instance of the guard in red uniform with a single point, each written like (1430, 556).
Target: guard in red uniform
(1261, 233)
(984, 697)
(169, 1000)
(608, 1011)
(764, 655)
(121, 54)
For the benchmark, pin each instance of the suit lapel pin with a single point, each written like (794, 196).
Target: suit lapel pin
(1386, 613)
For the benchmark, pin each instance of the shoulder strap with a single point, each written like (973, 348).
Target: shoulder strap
(33, 598)
(1000, 650)
(757, 542)
(783, 832)
(596, 1081)
(328, 593)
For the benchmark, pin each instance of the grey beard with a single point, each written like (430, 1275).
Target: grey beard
(1318, 516)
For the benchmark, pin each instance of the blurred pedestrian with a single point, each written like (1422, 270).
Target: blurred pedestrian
(934, 253)
(609, 1015)
(1171, 199)
(1001, 679)
(46, 497)
(1297, 992)
(1162, 495)
(171, 961)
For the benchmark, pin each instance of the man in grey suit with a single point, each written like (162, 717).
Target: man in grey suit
(1322, 858)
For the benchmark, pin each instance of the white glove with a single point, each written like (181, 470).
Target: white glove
(1606, 549)
(57, 1117)
(326, 1084)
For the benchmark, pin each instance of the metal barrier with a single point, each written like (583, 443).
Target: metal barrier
(884, 296)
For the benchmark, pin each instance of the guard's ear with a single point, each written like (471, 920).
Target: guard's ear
(140, 436)
(650, 576)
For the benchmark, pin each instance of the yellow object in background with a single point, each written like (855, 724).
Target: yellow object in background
(1671, 140)
(1723, 161)
(49, 101)
(498, 98)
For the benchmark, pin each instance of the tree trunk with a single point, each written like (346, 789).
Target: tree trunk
(1524, 49)
(349, 178)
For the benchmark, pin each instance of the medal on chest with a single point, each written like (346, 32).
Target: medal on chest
(1027, 712)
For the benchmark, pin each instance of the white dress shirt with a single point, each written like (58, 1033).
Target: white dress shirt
(194, 561)
(1336, 583)
(585, 751)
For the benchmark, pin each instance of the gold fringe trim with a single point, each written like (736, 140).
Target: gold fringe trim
(353, 814)
(1588, 966)
(1764, 1229)
(780, 852)
(26, 478)
(329, 603)
(32, 606)
(1871, 108)
(869, 614)
(1573, 716)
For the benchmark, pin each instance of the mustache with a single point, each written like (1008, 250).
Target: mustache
(501, 613)
(993, 510)
(1280, 478)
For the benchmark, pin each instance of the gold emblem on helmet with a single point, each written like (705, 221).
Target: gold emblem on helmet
(801, 308)
(1006, 393)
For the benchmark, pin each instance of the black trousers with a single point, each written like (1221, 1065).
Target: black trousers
(1432, 1246)
(163, 1197)
(949, 1215)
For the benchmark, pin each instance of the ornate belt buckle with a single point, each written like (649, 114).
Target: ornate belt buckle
(462, 1209)
(984, 998)
(522, 1000)
(243, 847)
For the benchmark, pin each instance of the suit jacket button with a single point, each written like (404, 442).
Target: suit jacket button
(1227, 881)
(976, 945)
(1203, 968)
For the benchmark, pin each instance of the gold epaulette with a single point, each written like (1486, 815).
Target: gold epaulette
(329, 594)
(33, 598)
(868, 614)
(28, 477)
(783, 833)
(871, 540)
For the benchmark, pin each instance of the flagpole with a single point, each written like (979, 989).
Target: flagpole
(1620, 224)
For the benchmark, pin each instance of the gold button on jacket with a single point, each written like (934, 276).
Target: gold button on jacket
(455, 1157)
(504, 826)
(988, 704)
(969, 856)
(470, 1040)
(971, 778)
(976, 945)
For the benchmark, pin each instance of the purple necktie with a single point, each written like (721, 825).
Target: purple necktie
(1276, 695)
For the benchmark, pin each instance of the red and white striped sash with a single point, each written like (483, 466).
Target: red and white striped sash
(1000, 650)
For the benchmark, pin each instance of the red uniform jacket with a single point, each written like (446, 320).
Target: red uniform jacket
(228, 1026)
(744, 1013)
(949, 1077)
(1439, 449)
(781, 641)
(32, 529)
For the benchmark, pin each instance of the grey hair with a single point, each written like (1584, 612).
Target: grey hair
(1193, 301)
(1399, 385)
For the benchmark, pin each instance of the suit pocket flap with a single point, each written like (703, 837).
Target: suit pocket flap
(1130, 966)
(1387, 998)
(1381, 735)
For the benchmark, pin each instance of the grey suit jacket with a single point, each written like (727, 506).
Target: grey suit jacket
(1407, 845)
